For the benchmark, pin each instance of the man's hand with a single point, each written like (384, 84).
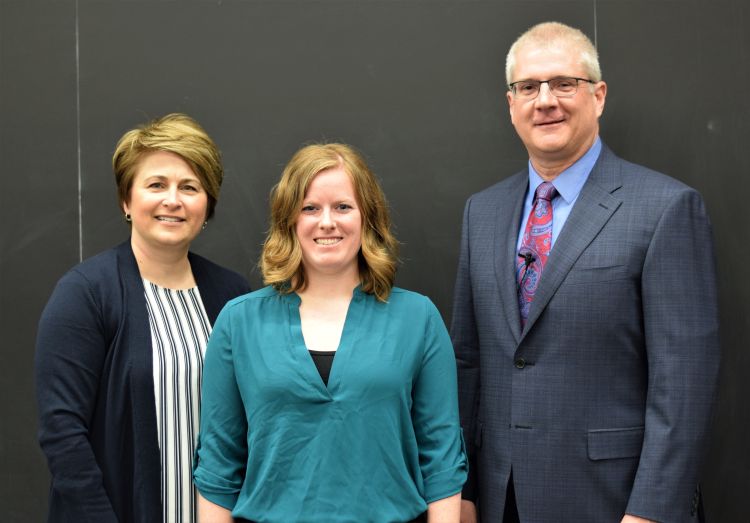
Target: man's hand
(630, 519)
(468, 511)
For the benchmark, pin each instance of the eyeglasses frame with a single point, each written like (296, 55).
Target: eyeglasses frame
(512, 86)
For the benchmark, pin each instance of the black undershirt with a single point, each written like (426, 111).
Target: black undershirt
(323, 360)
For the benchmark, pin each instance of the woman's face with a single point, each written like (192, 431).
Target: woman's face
(167, 202)
(329, 226)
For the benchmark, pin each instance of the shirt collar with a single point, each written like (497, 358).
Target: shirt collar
(570, 182)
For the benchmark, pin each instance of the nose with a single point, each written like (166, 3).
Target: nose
(545, 98)
(326, 219)
(172, 198)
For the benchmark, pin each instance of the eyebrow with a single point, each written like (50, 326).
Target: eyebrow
(164, 177)
(341, 200)
(547, 80)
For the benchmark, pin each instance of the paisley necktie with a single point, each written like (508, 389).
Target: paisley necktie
(535, 247)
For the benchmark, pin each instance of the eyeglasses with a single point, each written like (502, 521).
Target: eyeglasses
(561, 87)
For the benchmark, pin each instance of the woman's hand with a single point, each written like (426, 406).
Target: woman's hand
(209, 512)
(446, 510)
(468, 511)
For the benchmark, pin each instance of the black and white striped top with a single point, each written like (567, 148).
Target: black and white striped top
(179, 332)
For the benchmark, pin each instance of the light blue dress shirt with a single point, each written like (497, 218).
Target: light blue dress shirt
(568, 184)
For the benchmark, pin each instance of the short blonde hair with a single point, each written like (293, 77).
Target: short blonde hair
(555, 34)
(281, 259)
(176, 133)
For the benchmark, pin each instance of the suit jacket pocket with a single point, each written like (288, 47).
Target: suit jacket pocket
(615, 443)
(579, 275)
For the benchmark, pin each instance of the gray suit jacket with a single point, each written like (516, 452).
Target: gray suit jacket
(601, 405)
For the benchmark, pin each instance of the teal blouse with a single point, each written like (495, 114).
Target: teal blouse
(376, 445)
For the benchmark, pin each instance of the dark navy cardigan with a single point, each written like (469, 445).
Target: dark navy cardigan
(95, 389)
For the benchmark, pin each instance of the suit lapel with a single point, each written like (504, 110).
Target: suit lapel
(507, 221)
(592, 210)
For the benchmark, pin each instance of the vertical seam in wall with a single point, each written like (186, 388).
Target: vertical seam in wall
(78, 141)
(596, 32)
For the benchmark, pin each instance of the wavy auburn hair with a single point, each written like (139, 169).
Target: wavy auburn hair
(281, 259)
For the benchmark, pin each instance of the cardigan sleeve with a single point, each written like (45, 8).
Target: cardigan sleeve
(221, 452)
(70, 352)
(442, 455)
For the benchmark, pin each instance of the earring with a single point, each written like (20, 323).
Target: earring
(204, 226)
(128, 218)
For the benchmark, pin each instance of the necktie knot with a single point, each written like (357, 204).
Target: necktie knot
(545, 191)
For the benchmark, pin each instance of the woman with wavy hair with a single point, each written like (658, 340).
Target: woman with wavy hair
(330, 394)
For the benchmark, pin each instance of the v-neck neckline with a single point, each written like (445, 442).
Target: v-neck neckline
(347, 343)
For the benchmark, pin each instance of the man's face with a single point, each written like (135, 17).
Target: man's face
(555, 131)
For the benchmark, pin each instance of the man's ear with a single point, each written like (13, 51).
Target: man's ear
(600, 95)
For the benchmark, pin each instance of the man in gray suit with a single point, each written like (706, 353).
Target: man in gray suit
(585, 318)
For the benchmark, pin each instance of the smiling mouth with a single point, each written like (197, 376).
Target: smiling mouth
(170, 219)
(327, 241)
(544, 124)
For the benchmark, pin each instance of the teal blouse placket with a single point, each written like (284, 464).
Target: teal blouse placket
(347, 344)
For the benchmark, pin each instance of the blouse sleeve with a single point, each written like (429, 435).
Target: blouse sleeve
(70, 351)
(442, 455)
(221, 453)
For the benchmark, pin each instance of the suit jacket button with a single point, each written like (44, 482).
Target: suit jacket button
(520, 363)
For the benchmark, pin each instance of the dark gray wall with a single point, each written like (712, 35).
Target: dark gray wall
(416, 85)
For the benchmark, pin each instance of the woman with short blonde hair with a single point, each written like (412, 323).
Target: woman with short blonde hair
(120, 345)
